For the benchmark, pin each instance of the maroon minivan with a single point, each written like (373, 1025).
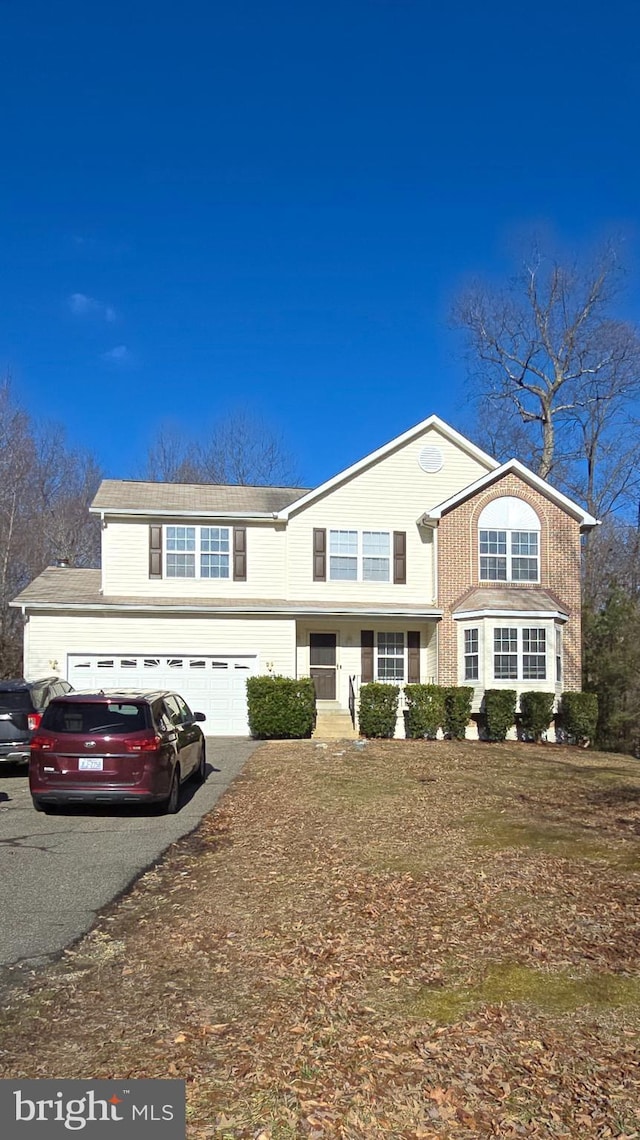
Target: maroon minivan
(116, 746)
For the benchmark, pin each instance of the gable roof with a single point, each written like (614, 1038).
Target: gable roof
(131, 497)
(517, 468)
(342, 476)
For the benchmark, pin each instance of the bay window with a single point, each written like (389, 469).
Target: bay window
(471, 655)
(520, 654)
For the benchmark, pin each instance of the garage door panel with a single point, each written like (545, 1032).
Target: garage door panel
(213, 685)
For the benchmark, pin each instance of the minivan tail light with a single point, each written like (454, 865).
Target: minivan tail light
(44, 743)
(33, 721)
(144, 744)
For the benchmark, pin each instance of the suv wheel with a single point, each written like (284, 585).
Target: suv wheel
(200, 773)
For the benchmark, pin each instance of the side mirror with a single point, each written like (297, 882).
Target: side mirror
(199, 717)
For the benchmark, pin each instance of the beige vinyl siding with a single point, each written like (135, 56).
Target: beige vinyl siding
(391, 495)
(125, 558)
(51, 637)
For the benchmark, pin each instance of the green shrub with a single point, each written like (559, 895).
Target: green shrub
(425, 711)
(579, 713)
(536, 713)
(280, 707)
(457, 711)
(378, 710)
(500, 712)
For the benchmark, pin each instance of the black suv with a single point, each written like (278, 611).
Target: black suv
(22, 704)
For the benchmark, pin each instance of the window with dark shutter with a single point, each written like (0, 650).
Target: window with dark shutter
(400, 557)
(413, 664)
(155, 551)
(366, 668)
(319, 555)
(240, 553)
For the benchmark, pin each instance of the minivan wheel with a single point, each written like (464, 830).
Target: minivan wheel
(171, 804)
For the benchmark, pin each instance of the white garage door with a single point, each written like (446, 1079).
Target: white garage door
(215, 686)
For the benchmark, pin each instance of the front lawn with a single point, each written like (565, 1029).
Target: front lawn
(397, 939)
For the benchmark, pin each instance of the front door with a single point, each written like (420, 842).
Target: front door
(322, 647)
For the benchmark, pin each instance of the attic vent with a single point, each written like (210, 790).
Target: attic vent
(431, 460)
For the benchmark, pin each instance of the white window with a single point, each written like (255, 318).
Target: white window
(390, 657)
(519, 654)
(343, 555)
(356, 556)
(505, 654)
(558, 654)
(214, 552)
(471, 657)
(534, 655)
(197, 551)
(509, 542)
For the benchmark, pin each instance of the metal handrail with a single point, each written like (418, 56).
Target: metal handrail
(352, 700)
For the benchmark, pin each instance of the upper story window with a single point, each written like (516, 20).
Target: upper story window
(509, 542)
(197, 551)
(360, 556)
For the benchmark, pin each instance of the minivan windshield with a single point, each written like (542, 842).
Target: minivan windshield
(112, 718)
(19, 700)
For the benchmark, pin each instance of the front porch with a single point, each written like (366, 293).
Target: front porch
(341, 654)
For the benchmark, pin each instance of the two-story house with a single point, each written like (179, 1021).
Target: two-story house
(425, 561)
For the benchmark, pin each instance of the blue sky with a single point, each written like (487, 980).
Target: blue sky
(269, 204)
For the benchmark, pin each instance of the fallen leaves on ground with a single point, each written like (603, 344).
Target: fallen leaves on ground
(410, 939)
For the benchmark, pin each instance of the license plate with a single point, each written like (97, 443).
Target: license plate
(90, 764)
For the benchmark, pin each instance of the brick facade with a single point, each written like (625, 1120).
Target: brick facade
(458, 569)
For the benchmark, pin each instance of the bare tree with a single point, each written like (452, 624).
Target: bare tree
(547, 356)
(45, 491)
(241, 449)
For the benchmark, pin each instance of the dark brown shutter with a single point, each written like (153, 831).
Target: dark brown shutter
(239, 553)
(413, 645)
(400, 557)
(319, 555)
(155, 551)
(366, 669)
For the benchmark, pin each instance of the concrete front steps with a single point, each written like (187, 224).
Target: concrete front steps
(333, 723)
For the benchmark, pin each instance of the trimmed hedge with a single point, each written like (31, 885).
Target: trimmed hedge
(281, 708)
(425, 711)
(457, 711)
(500, 712)
(579, 713)
(378, 710)
(536, 713)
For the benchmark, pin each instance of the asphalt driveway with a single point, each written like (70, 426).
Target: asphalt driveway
(57, 871)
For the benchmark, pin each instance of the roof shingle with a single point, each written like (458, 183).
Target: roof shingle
(130, 495)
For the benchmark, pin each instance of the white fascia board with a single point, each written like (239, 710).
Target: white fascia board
(152, 512)
(288, 611)
(472, 615)
(431, 421)
(514, 465)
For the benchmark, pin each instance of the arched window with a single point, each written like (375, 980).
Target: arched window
(509, 541)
